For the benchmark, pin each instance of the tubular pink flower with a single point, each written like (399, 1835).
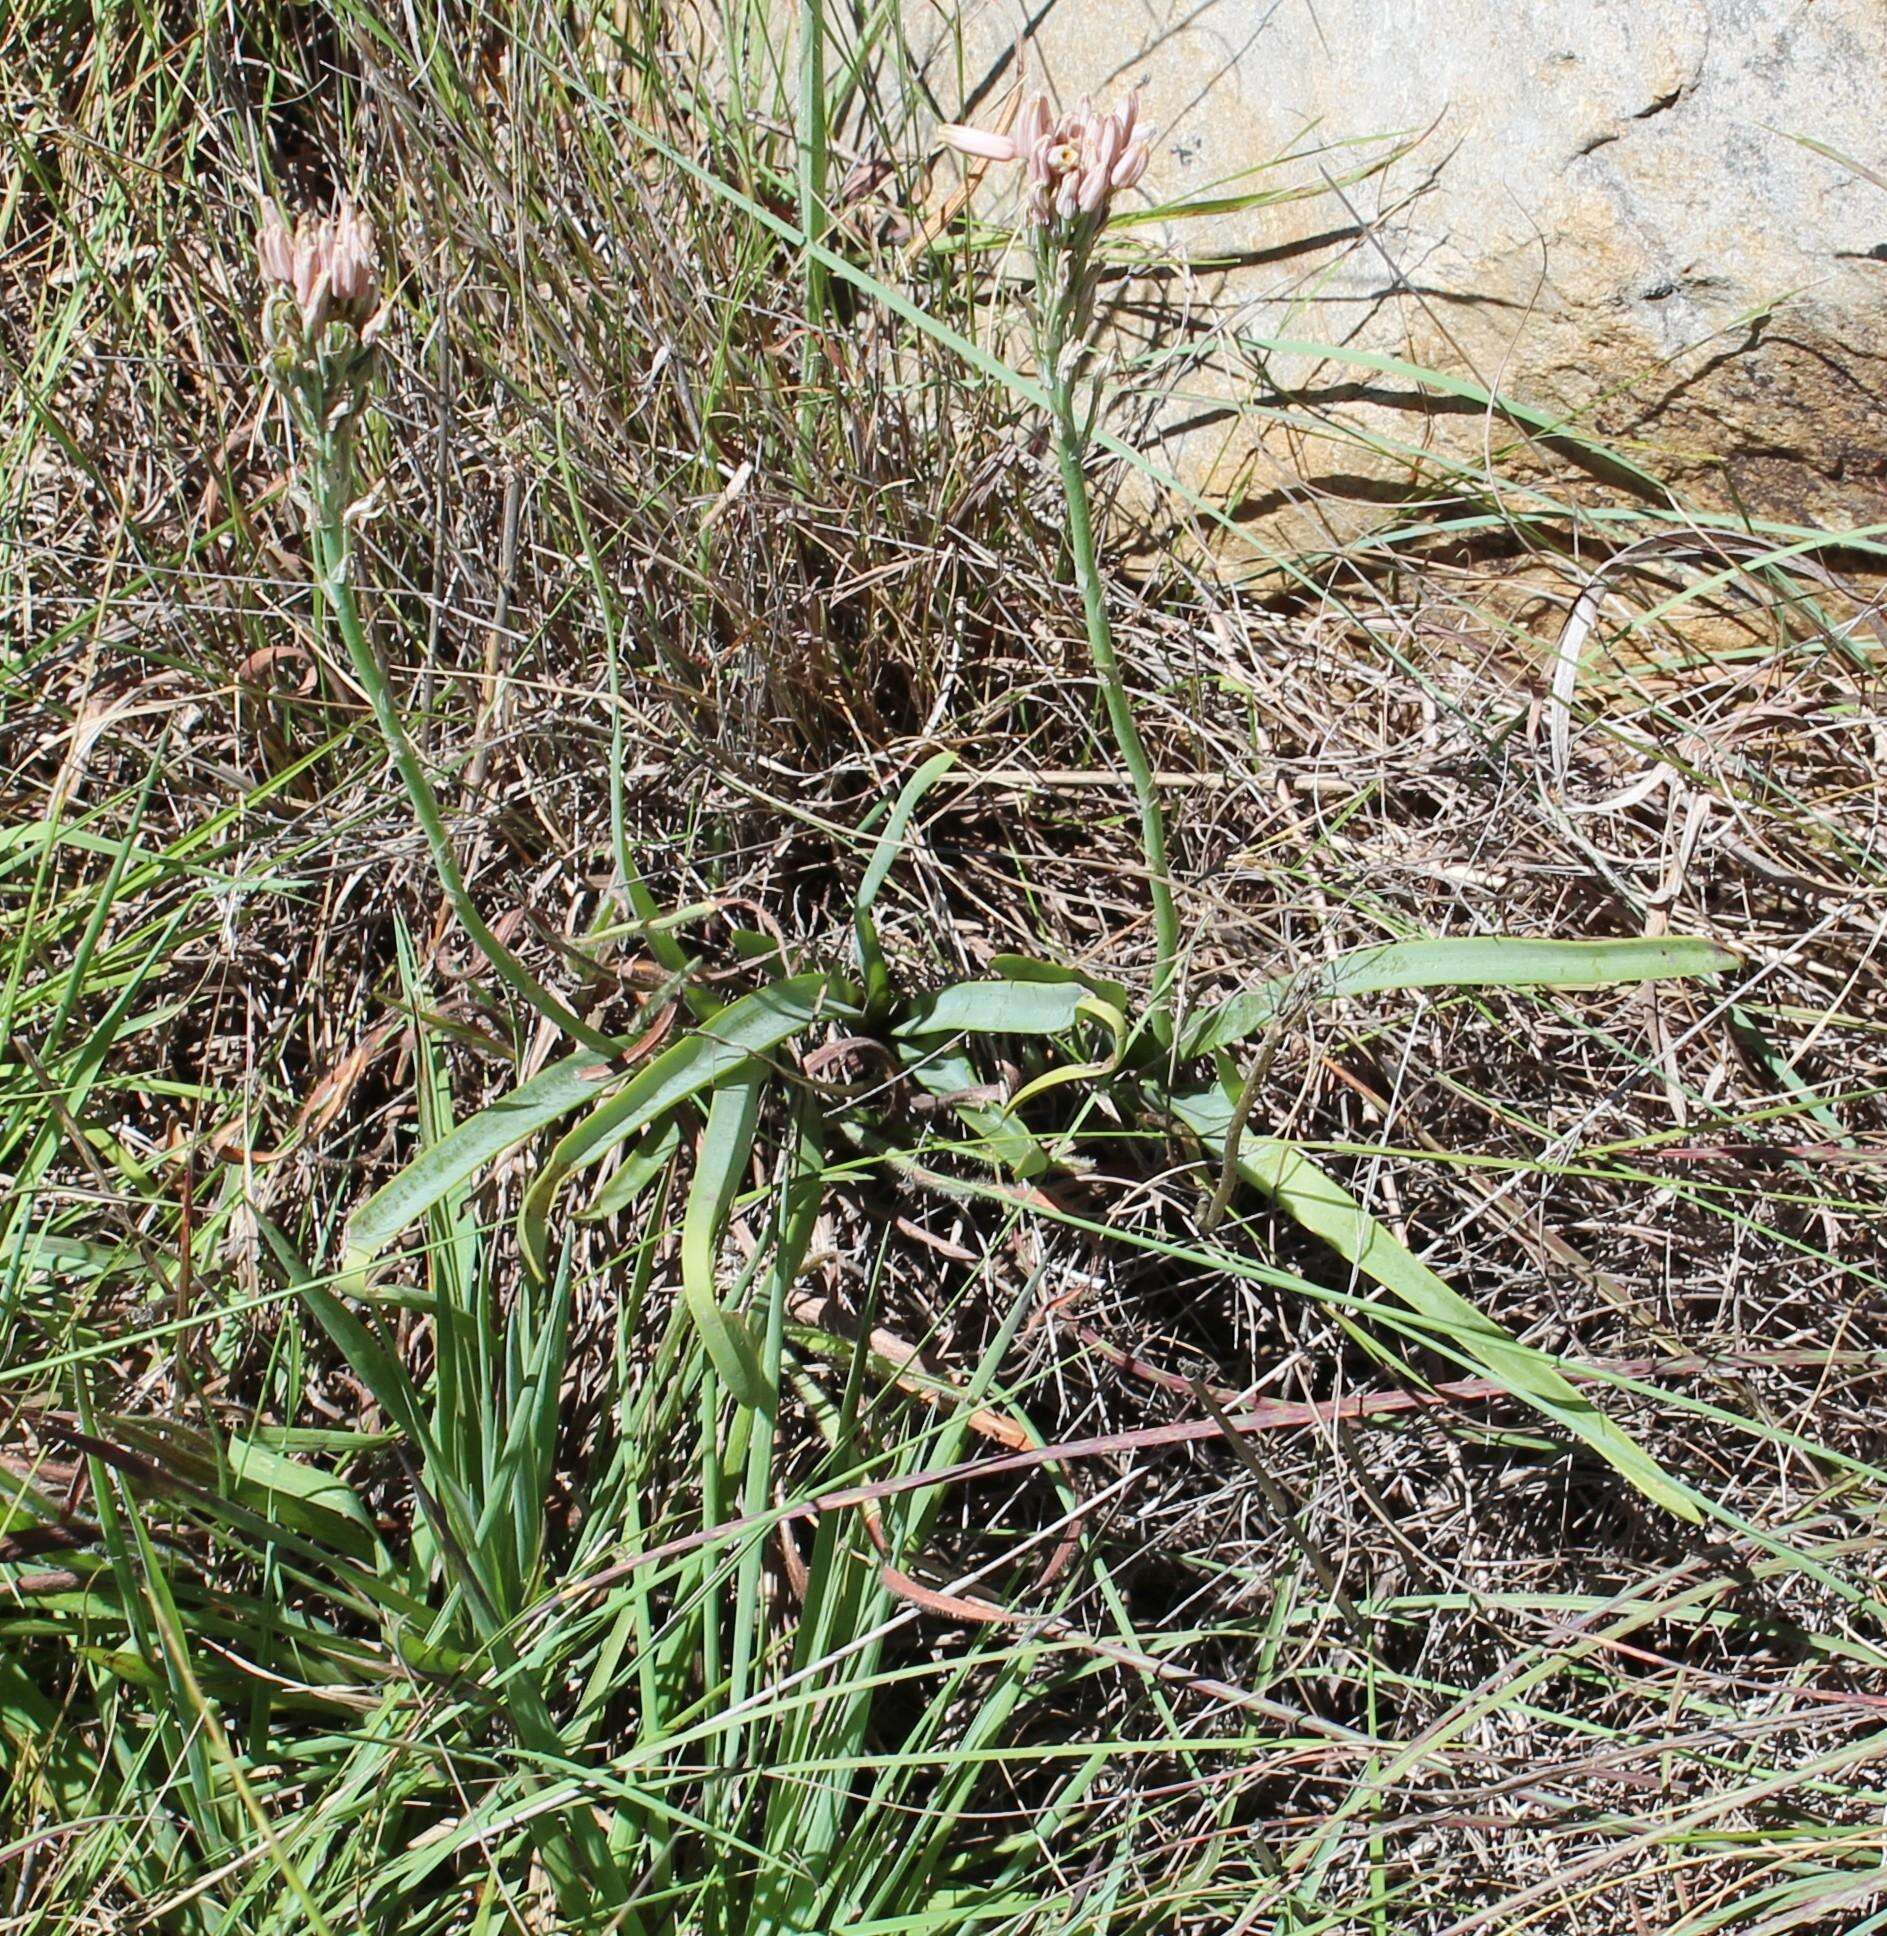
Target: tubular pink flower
(1126, 115)
(1104, 150)
(275, 248)
(979, 142)
(352, 257)
(1130, 167)
(310, 269)
(1091, 188)
(1033, 123)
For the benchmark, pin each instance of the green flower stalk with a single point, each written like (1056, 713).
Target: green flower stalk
(1075, 167)
(321, 322)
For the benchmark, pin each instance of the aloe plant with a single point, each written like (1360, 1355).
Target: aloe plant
(728, 1074)
(695, 1111)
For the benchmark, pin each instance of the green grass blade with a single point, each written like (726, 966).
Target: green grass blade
(1542, 423)
(654, 1152)
(996, 1008)
(891, 840)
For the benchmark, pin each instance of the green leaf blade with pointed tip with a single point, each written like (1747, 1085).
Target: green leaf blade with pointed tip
(749, 1027)
(996, 1008)
(467, 1148)
(891, 840)
(720, 1163)
(1316, 1201)
(1479, 961)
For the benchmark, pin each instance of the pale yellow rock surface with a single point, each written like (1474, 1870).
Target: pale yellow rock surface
(1606, 216)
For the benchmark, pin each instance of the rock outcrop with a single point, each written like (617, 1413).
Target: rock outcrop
(1632, 215)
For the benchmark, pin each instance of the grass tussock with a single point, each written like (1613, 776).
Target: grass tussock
(1119, 1537)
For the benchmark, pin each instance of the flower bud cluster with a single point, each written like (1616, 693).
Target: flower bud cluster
(1076, 164)
(321, 282)
(330, 264)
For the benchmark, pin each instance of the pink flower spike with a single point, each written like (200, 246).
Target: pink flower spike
(1126, 115)
(978, 142)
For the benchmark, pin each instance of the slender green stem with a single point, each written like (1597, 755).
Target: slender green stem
(1071, 449)
(328, 536)
(814, 158)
